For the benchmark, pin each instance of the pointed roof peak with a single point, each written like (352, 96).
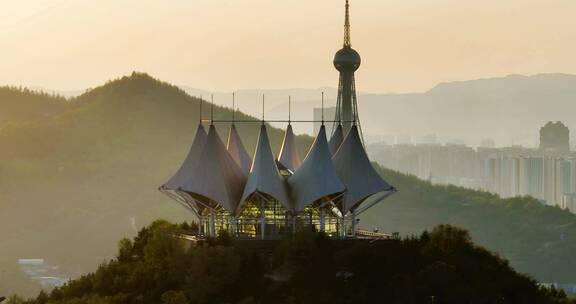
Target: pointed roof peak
(316, 178)
(238, 151)
(289, 157)
(190, 162)
(336, 139)
(264, 175)
(217, 178)
(356, 171)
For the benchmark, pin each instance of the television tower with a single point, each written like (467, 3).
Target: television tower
(347, 61)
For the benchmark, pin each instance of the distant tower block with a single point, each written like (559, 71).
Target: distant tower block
(347, 61)
(555, 137)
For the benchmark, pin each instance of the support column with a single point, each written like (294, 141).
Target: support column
(322, 219)
(342, 222)
(233, 227)
(262, 221)
(353, 224)
(212, 224)
(338, 227)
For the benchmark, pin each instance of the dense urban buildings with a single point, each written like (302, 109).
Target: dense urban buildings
(547, 173)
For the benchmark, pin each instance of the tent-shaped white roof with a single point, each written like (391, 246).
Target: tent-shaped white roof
(237, 151)
(190, 162)
(316, 178)
(289, 158)
(356, 171)
(264, 175)
(217, 176)
(336, 139)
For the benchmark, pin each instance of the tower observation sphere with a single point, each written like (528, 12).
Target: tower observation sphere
(347, 60)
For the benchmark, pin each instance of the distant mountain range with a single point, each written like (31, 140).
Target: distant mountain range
(508, 110)
(78, 174)
(464, 111)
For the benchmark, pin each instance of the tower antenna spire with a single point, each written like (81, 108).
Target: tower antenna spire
(322, 108)
(200, 114)
(263, 100)
(289, 110)
(347, 26)
(212, 109)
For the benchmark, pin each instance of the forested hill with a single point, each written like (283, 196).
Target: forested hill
(131, 111)
(71, 185)
(21, 105)
(538, 240)
(74, 183)
(441, 266)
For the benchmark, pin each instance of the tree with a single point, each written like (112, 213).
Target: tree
(307, 268)
(174, 297)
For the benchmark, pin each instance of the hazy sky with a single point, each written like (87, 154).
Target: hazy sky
(406, 45)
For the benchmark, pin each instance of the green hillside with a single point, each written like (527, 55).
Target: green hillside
(538, 240)
(75, 182)
(21, 105)
(70, 186)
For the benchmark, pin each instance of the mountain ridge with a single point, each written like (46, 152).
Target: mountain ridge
(539, 76)
(481, 108)
(22, 105)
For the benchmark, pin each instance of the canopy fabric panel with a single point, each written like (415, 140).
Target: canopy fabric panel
(316, 178)
(238, 151)
(264, 175)
(217, 176)
(336, 139)
(182, 198)
(355, 170)
(190, 162)
(288, 157)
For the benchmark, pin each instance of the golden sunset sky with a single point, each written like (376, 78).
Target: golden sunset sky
(406, 45)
